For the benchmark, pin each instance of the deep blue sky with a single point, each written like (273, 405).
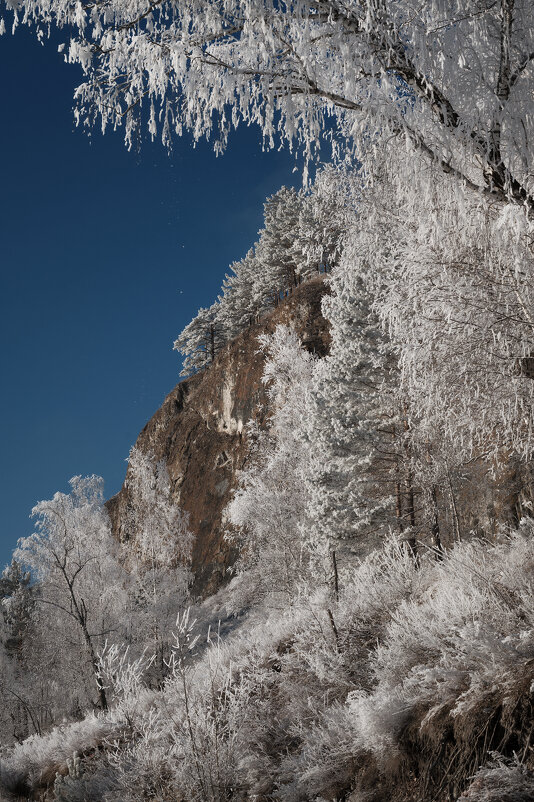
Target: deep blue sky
(105, 255)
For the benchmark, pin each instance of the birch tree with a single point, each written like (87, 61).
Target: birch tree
(72, 555)
(411, 71)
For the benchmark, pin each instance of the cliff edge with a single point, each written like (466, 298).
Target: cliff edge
(200, 431)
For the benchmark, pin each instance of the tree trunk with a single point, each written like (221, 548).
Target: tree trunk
(454, 510)
(410, 512)
(336, 576)
(436, 537)
(410, 509)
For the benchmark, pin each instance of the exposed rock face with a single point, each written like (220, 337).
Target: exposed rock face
(200, 431)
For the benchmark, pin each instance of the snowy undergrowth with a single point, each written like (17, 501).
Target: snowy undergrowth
(501, 781)
(463, 639)
(294, 702)
(38, 758)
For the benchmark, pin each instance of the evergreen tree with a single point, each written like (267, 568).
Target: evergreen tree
(324, 217)
(200, 341)
(276, 249)
(239, 305)
(351, 419)
(270, 506)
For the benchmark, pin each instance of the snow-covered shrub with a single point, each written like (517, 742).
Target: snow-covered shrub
(501, 781)
(38, 759)
(448, 640)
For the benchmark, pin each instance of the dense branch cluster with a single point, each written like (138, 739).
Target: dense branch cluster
(410, 69)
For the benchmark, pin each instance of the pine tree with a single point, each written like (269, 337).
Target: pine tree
(269, 508)
(200, 341)
(351, 418)
(239, 306)
(276, 249)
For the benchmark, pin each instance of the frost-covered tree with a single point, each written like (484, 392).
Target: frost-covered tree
(159, 544)
(301, 236)
(375, 64)
(325, 215)
(450, 284)
(277, 247)
(80, 589)
(200, 340)
(240, 303)
(459, 304)
(18, 715)
(352, 422)
(16, 600)
(269, 508)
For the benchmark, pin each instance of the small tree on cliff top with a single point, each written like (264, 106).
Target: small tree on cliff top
(200, 340)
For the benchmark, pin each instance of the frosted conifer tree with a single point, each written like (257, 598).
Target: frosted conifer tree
(276, 249)
(270, 506)
(324, 217)
(201, 339)
(239, 304)
(19, 717)
(351, 418)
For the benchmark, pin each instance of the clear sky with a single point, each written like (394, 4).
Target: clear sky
(105, 255)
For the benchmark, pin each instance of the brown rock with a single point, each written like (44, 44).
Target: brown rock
(200, 431)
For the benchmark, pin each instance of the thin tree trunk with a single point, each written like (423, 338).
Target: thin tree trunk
(94, 663)
(410, 509)
(80, 612)
(398, 507)
(398, 489)
(410, 512)
(454, 509)
(336, 576)
(436, 537)
(334, 628)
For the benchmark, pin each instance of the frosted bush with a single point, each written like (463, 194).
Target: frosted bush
(452, 644)
(38, 759)
(501, 782)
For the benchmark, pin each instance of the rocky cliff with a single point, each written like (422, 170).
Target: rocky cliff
(201, 430)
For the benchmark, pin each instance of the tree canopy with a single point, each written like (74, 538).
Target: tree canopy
(411, 69)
